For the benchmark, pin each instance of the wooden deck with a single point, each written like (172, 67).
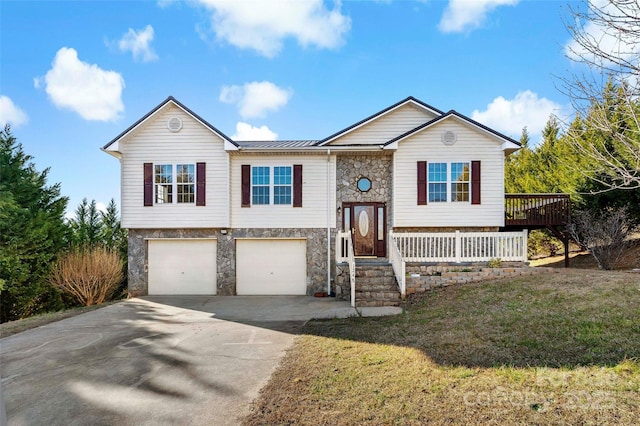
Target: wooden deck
(537, 210)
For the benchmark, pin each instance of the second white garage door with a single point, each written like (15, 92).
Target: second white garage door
(271, 267)
(182, 266)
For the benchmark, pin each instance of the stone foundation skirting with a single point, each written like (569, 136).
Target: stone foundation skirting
(226, 254)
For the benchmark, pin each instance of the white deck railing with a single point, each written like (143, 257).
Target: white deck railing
(461, 246)
(399, 265)
(344, 253)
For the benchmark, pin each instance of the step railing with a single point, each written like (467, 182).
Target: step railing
(344, 253)
(398, 264)
(461, 246)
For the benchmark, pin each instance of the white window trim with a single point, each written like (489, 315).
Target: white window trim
(174, 183)
(271, 185)
(449, 182)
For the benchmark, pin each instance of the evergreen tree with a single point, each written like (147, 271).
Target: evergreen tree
(86, 226)
(32, 232)
(111, 233)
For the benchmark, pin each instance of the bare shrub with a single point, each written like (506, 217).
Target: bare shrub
(605, 233)
(90, 274)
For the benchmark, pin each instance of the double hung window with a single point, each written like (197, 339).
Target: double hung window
(448, 182)
(271, 185)
(174, 183)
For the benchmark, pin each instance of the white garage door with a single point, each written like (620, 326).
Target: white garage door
(182, 267)
(271, 267)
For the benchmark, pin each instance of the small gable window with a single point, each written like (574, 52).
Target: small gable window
(364, 184)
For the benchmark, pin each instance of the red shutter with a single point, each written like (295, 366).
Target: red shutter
(297, 185)
(148, 184)
(422, 183)
(246, 185)
(475, 182)
(201, 178)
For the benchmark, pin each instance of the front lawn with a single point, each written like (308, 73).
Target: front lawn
(557, 348)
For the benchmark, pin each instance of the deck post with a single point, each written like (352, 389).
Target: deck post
(565, 241)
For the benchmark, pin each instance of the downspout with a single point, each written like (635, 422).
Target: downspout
(328, 222)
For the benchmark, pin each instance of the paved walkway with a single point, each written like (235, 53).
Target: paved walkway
(177, 360)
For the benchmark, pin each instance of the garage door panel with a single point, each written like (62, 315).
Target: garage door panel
(182, 267)
(271, 267)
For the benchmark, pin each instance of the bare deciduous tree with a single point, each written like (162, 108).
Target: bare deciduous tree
(605, 233)
(606, 39)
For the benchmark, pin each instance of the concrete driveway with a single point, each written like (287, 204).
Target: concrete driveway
(156, 360)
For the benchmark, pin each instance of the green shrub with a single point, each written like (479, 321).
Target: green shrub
(494, 263)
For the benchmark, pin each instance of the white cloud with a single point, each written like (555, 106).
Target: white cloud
(264, 25)
(11, 113)
(139, 43)
(255, 99)
(93, 93)
(466, 15)
(510, 116)
(247, 132)
(163, 4)
(607, 38)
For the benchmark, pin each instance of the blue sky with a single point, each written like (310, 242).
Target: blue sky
(73, 75)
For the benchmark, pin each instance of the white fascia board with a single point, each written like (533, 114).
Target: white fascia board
(510, 146)
(113, 152)
(228, 146)
(391, 146)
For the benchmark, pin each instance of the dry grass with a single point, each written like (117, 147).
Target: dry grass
(559, 348)
(584, 260)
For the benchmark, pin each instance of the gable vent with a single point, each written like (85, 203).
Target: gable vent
(449, 138)
(174, 124)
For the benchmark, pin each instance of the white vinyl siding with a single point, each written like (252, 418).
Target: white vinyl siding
(386, 127)
(154, 143)
(312, 214)
(427, 146)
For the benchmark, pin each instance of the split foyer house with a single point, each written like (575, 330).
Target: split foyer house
(209, 215)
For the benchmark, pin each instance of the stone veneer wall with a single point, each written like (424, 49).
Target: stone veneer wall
(378, 168)
(226, 254)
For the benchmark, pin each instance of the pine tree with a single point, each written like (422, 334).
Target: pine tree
(111, 233)
(32, 232)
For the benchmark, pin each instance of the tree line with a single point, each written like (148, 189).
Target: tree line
(35, 237)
